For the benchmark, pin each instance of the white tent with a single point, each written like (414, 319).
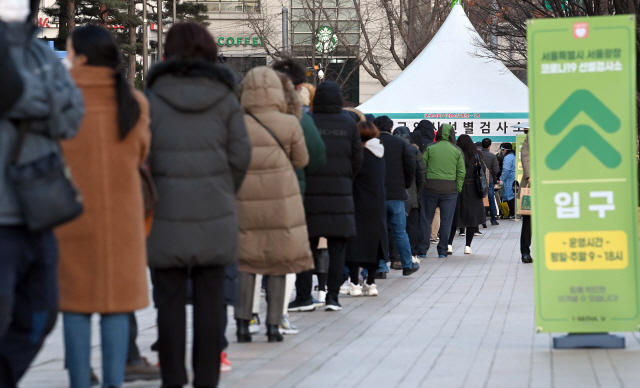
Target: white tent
(448, 82)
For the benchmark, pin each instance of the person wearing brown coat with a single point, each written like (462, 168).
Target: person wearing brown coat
(273, 230)
(102, 253)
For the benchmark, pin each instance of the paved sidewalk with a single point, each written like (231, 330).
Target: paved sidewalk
(463, 321)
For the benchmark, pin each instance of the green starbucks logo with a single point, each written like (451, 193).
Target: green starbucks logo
(327, 40)
(582, 135)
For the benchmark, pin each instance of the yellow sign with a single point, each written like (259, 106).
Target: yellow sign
(586, 250)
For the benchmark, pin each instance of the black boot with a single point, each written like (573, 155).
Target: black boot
(242, 330)
(273, 334)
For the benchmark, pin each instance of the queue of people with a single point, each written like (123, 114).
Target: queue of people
(246, 178)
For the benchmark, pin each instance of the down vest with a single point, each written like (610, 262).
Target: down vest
(200, 152)
(328, 200)
(273, 230)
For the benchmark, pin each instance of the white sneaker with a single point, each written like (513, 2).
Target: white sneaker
(467, 250)
(369, 290)
(354, 290)
(478, 233)
(322, 297)
(415, 259)
(449, 248)
(285, 327)
(344, 288)
(254, 324)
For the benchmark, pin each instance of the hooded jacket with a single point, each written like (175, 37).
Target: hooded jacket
(508, 175)
(273, 230)
(329, 197)
(200, 152)
(372, 242)
(400, 160)
(50, 101)
(445, 163)
(427, 130)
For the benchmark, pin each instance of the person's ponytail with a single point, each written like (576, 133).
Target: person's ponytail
(128, 107)
(100, 48)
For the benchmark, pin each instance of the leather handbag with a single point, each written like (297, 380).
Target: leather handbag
(44, 187)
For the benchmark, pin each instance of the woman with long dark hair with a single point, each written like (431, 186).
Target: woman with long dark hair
(200, 152)
(469, 209)
(102, 253)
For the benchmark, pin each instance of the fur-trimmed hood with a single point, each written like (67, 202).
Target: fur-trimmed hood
(191, 85)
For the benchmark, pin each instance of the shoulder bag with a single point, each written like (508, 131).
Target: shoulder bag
(481, 178)
(45, 190)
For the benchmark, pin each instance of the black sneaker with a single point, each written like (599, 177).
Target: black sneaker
(409, 271)
(381, 275)
(304, 305)
(332, 304)
(495, 223)
(527, 259)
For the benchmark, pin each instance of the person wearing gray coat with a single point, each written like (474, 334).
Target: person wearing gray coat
(200, 153)
(52, 108)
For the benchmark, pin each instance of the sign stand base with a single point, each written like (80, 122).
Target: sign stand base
(591, 340)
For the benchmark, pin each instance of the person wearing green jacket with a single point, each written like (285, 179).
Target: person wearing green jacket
(445, 177)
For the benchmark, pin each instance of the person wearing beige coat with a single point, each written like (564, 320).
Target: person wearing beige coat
(273, 229)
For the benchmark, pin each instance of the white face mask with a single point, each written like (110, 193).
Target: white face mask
(14, 10)
(67, 63)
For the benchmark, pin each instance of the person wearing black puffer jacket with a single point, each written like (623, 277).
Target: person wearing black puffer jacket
(328, 200)
(400, 160)
(427, 130)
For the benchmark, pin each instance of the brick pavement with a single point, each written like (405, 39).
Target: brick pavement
(463, 321)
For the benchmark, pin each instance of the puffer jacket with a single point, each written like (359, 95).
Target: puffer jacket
(200, 152)
(329, 197)
(445, 163)
(50, 101)
(508, 175)
(273, 230)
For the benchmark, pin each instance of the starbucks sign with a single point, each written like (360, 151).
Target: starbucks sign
(327, 40)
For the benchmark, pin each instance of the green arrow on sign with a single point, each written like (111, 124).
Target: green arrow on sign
(582, 135)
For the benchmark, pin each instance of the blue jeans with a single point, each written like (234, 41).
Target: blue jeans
(492, 203)
(114, 330)
(398, 221)
(447, 205)
(28, 297)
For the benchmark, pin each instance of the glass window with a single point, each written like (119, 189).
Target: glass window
(347, 13)
(302, 38)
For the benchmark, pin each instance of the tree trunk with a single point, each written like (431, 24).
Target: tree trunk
(131, 68)
(71, 15)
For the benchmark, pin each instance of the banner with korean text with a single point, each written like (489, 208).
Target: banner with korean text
(582, 88)
(496, 126)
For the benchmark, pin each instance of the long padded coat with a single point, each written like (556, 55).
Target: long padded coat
(328, 200)
(102, 253)
(372, 242)
(200, 152)
(273, 230)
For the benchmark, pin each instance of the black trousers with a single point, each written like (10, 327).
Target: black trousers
(414, 230)
(28, 298)
(354, 272)
(512, 207)
(525, 236)
(170, 295)
(133, 354)
(468, 234)
(337, 250)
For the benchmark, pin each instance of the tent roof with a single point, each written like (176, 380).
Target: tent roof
(448, 78)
